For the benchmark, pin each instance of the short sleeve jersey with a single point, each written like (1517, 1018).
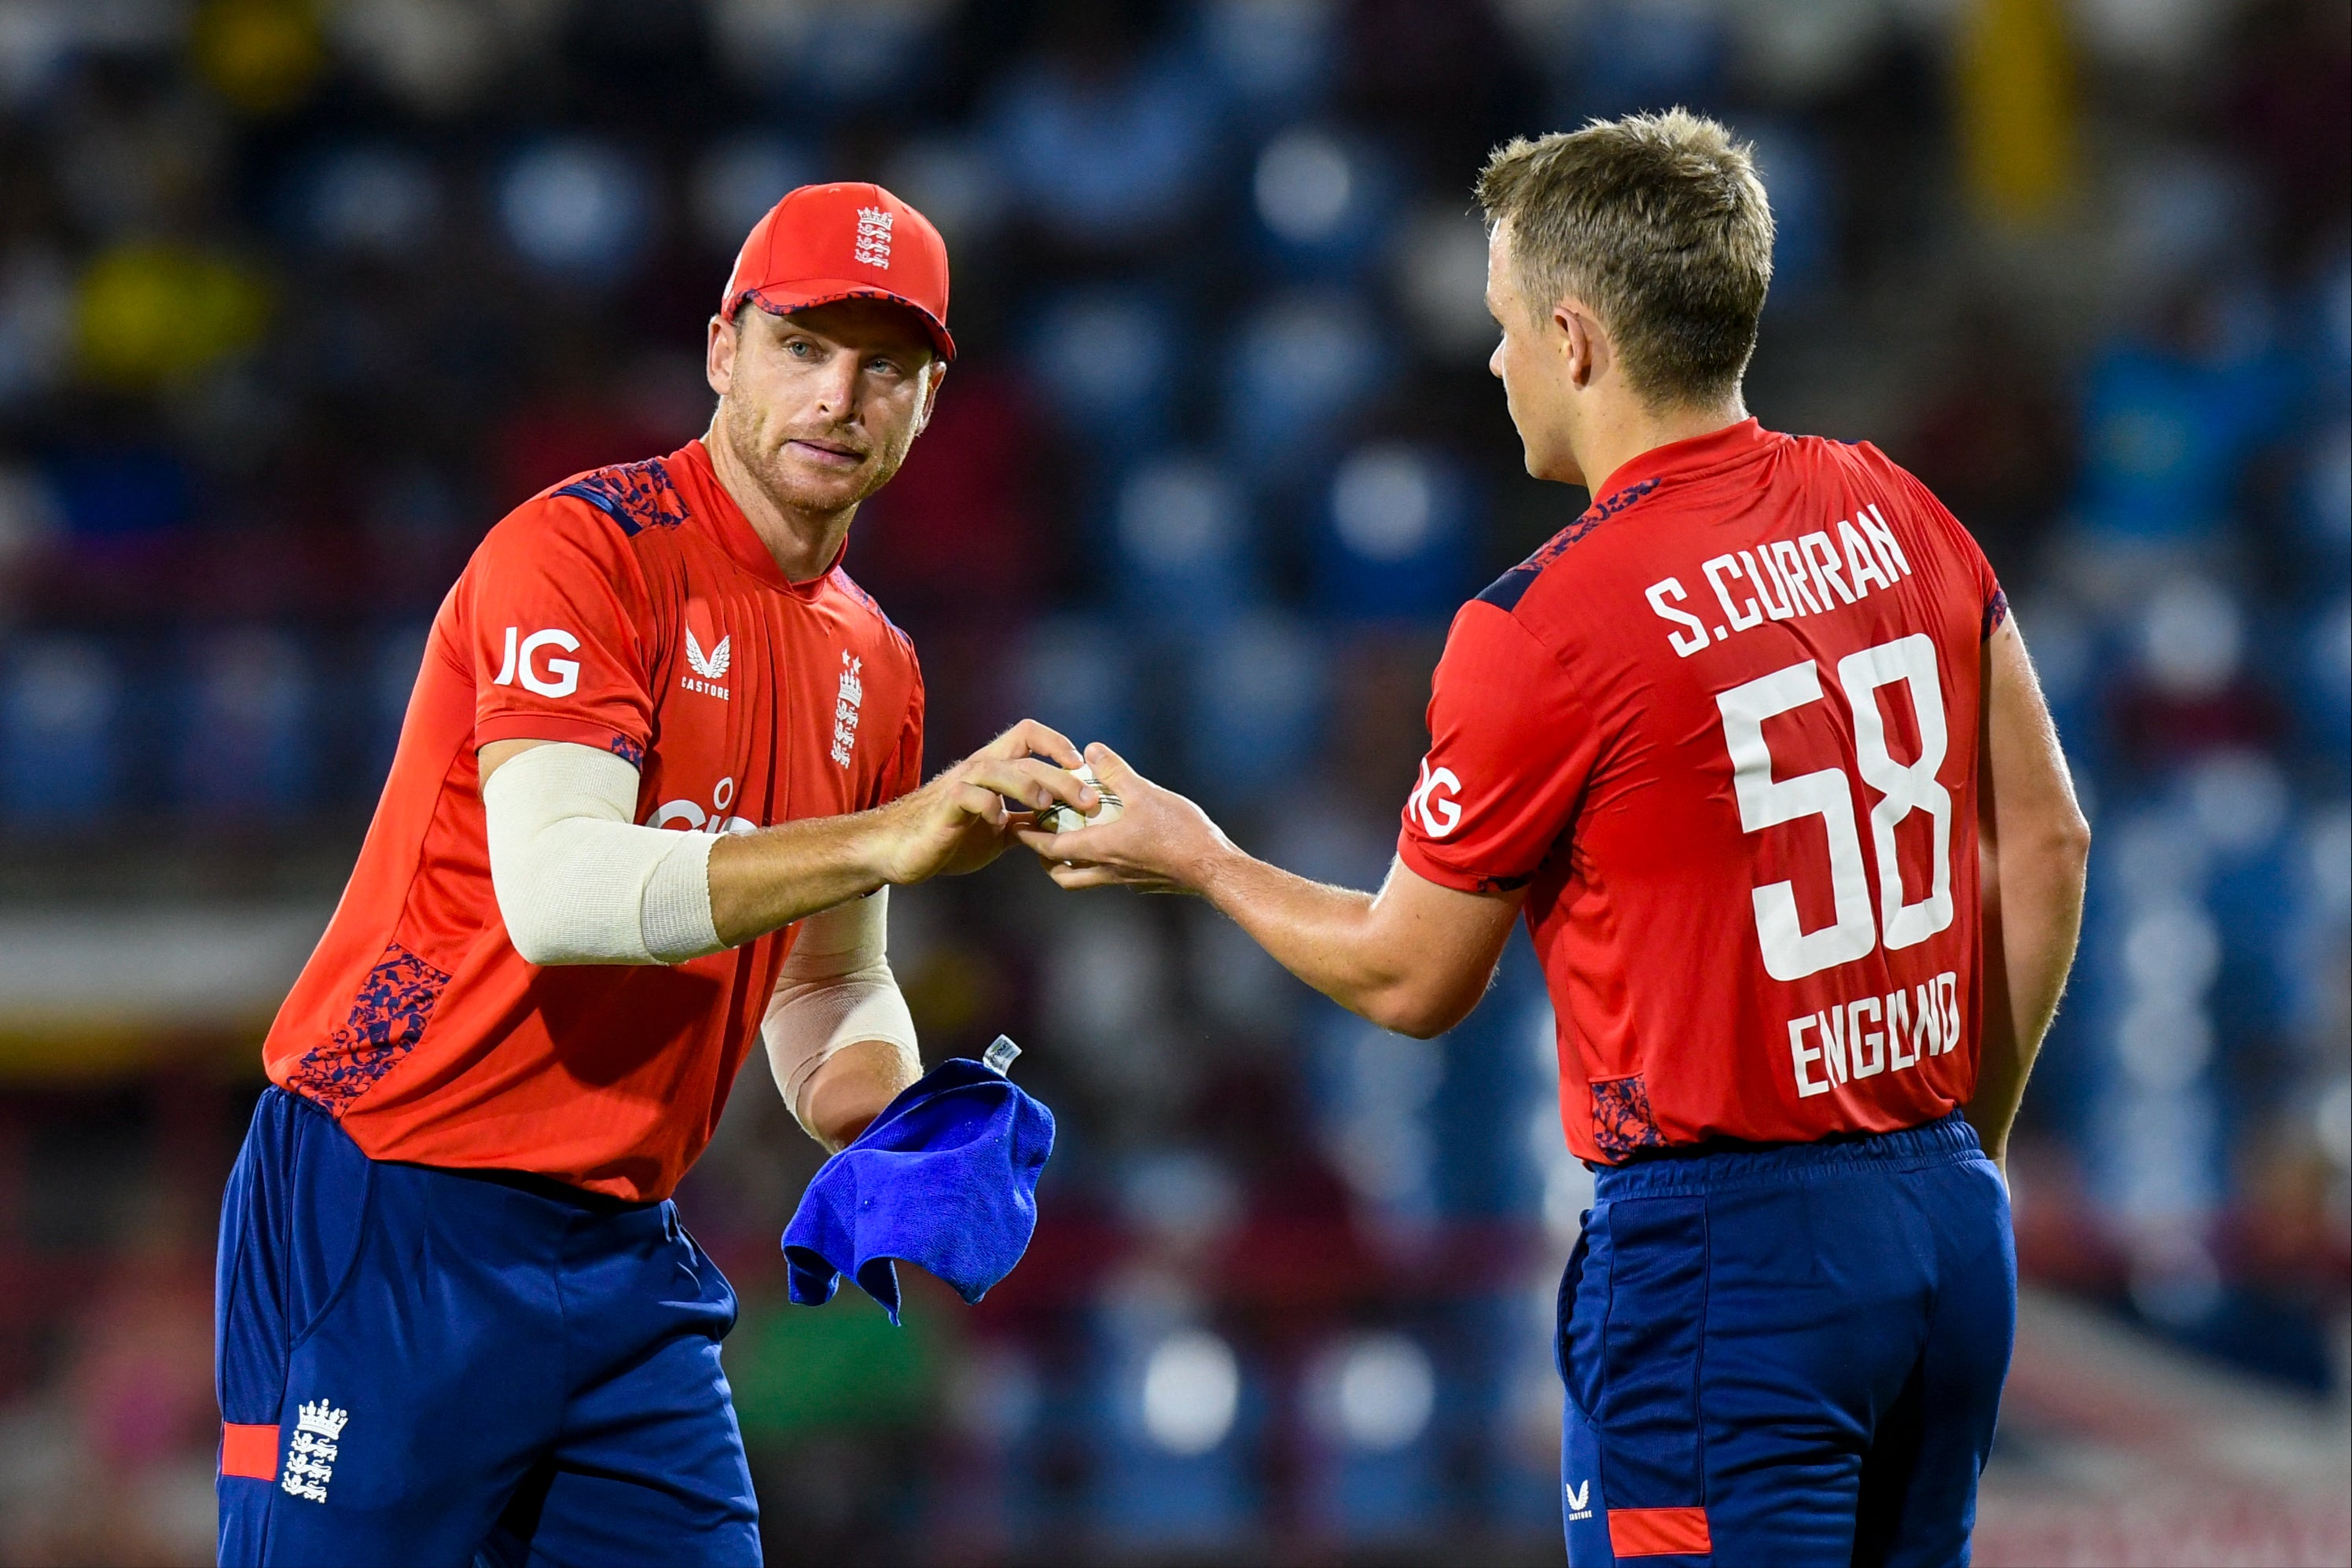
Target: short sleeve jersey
(633, 610)
(1722, 728)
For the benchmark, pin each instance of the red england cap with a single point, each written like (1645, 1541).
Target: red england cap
(823, 243)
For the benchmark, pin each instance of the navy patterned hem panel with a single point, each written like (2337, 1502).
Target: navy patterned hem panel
(1506, 592)
(628, 751)
(1996, 612)
(387, 1018)
(636, 495)
(1622, 1119)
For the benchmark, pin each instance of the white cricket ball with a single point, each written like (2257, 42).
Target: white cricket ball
(1060, 818)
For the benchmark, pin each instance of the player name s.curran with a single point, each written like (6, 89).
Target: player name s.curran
(1808, 575)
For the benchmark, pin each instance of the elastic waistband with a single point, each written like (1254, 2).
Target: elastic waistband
(1949, 1140)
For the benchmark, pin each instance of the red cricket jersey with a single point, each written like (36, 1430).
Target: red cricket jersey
(1723, 728)
(633, 609)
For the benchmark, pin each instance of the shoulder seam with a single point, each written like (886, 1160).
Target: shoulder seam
(1506, 592)
(635, 495)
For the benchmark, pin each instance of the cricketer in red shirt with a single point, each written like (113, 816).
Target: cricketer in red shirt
(633, 610)
(458, 1318)
(1732, 743)
(1723, 731)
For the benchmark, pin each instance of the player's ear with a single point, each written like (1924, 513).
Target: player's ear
(720, 340)
(1576, 341)
(934, 373)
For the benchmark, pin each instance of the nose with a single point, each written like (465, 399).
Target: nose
(1495, 362)
(836, 384)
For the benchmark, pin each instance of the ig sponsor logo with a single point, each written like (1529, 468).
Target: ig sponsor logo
(691, 816)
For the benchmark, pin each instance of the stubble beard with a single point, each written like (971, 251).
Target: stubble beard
(775, 476)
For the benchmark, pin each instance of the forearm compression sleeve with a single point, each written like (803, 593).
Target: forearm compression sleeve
(836, 989)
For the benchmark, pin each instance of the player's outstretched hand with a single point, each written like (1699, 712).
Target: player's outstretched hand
(961, 820)
(1160, 843)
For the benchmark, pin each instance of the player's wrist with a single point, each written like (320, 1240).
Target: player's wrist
(1212, 867)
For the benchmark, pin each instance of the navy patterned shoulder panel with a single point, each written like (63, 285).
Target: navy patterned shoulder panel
(1506, 592)
(1622, 1119)
(636, 495)
(387, 1018)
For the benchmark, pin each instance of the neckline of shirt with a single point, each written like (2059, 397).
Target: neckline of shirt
(1691, 457)
(735, 532)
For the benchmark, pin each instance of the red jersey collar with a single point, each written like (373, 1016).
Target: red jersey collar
(735, 531)
(1689, 457)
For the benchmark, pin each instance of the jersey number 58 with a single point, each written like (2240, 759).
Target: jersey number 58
(1791, 953)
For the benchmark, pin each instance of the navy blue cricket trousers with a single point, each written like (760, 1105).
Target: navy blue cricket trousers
(1786, 1356)
(423, 1367)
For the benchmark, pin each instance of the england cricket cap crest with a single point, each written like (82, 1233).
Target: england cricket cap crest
(823, 243)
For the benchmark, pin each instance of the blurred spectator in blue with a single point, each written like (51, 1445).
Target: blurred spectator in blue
(2188, 690)
(1174, 1424)
(371, 199)
(955, 179)
(1271, 58)
(1398, 540)
(1106, 133)
(1301, 365)
(1804, 214)
(1628, 55)
(1324, 200)
(1076, 675)
(1184, 553)
(1372, 1460)
(1256, 702)
(737, 180)
(578, 208)
(1103, 362)
(2170, 419)
(829, 54)
(244, 719)
(2324, 689)
(61, 704)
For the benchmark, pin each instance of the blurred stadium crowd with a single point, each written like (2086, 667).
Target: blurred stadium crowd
(297, 298)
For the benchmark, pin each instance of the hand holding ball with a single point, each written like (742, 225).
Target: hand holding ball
(1060, 818)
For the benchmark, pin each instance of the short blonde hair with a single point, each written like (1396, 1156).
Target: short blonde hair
(1659, 222)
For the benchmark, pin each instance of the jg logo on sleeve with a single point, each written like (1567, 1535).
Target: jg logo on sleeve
(549, 677)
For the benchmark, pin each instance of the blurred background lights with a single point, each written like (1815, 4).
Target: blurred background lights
(1303, 185)
(1440, 262)
(2192, 636)
(378, 198)
(2240, 800)
(1191, 1391)
(576, 206)
(738, 179)
(951, 181)
(1269, 51)
(1174, 514)
(1384, 502)
(1373, 1392)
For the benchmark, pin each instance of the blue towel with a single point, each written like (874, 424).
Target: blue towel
(946, 1176)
